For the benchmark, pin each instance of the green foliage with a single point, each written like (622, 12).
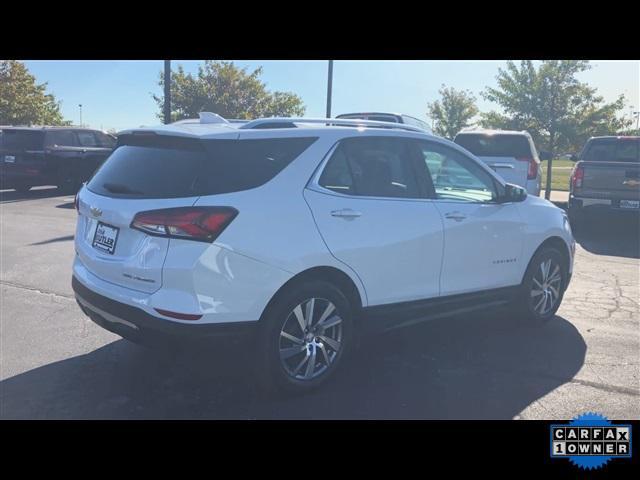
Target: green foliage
(558, 110)
(23, 101)
(227, 90)
(452, 112)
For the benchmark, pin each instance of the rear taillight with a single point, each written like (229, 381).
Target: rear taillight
(191, 223)
(532, 169)
(577, 176)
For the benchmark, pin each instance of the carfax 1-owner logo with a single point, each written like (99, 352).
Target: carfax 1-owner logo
(590, 441)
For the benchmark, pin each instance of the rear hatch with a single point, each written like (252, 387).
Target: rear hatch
(142, 200)
(611, 169)
(21, 153)
(144, 173)
(509, 155)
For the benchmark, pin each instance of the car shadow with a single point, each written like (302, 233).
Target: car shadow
(11, 196)
(618, 236)
(473, 367)
(66, 238)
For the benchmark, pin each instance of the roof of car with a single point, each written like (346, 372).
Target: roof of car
(204, 129)
(46, 127)
(490, 131)
(394, 114)
(619, 137)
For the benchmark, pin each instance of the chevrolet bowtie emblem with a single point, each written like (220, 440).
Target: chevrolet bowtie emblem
(631, 182)
(95, 211)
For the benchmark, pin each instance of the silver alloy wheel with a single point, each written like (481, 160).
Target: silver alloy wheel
(545, 290)
(310, 338)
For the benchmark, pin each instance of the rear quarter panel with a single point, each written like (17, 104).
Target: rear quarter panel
(274, 225)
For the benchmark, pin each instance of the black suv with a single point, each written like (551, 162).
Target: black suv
(61, 156)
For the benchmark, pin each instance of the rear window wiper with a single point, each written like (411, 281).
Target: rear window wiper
(120, 188)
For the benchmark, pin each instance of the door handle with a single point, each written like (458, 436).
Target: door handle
(457, 216)
(345, 213)
(501, 165)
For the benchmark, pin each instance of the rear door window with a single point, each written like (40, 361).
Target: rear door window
(22, 140)
(60, 138)
(373, 167)
(485, 145)
(87, 139)
(104, 140)
(172, 167)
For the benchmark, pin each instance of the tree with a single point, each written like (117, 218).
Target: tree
(453, 111)
(558, 110)
(227, 90)
(23, 101)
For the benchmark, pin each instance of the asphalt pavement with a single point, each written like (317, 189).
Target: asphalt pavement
(56, 364)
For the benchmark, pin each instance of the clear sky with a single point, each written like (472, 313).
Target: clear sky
(117, 94)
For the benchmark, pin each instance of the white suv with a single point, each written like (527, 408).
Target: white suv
(512, 154)
(306, 233)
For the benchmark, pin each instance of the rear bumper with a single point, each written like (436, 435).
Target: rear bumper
(600, 205)
(139, 326)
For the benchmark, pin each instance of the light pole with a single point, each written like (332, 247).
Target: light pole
(167, 91)
(329, 86)
(80, 105)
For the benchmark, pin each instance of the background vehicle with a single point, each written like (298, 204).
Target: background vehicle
(388, 117)
(305, 234)
(61, 156)
(606, 178)
(511, 154)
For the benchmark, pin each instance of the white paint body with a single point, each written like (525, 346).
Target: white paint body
(511, 169)
(397, 250)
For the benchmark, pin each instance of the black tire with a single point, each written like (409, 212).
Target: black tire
(272, 374)
(576, 218)
(69, 185)
(526, 305)
(22, 188)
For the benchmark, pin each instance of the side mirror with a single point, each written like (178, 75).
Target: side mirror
(513, 193)
(544, 155)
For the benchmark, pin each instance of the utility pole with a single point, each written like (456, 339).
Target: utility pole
(329, 86)
(167, 91)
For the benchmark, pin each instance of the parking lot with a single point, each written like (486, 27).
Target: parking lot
(57, 364)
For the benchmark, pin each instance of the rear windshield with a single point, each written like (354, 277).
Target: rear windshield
(172, 167)
(483, 145)
(21, 140)
(612, 150)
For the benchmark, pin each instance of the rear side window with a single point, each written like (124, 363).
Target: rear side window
(104, 140)
(60, 138)
(415, 122)
(172, 167)
(22, 140)
(87, 139)
(484, 145)
(373, 167)
(612, 150)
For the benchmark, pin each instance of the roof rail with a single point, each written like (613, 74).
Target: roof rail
(278, 121)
